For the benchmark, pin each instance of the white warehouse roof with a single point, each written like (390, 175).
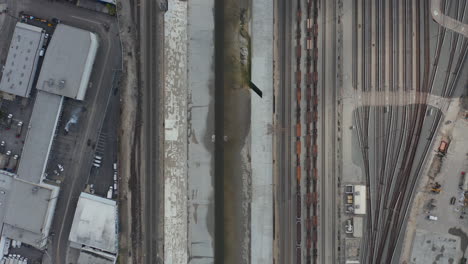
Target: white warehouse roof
(21, 64)
(68, 62)
(95, 224)
(41, 130)
(26, 209)
(360, 199)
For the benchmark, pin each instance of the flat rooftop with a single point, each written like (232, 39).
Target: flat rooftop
(68, 62)
(87, 258)
(41, 129)
(360, 199)
(21, 63)
(26, 209)
(95, 223)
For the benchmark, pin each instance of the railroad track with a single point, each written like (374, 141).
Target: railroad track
(390, 190)
(298, 143)
(151, 46)
(284, 150)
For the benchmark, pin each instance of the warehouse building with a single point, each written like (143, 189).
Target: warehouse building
(26, 209)
(23, 56)
(27, 204)
(94, 230)
(65, 73)
(41, 131)
(68, 62)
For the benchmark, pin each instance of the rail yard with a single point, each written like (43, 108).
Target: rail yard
(373, 86)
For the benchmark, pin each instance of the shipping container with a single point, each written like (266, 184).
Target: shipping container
(443, 147)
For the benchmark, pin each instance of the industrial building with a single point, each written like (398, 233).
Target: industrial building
(26, 210)
(68, 62)
(360, 199)
(44, 118)
(65, 72)
(94, 230)
(27, 204)
(23, 56)
(107, 2)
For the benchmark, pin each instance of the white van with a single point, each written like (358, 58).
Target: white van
(432, 218)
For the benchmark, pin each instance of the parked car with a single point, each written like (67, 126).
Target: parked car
(453, 200)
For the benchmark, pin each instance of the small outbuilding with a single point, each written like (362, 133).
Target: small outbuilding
(360, 199)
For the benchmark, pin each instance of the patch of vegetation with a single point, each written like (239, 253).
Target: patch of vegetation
(245, 48)
(111, 9)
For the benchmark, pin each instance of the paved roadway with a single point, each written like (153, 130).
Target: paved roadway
(151, 46)
(284, 198)
(107, 59)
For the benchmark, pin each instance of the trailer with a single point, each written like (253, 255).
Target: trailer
(19, 128)
(443, 147)
(109, 192)
(9, 120)
(3, 161)
(12, 163)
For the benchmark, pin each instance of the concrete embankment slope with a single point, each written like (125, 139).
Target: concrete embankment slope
(175, 137)
(262, 140)
(200, 164)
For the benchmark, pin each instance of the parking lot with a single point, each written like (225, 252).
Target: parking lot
(102, 177)
(65, 143)
(447, 202)
(442, 219)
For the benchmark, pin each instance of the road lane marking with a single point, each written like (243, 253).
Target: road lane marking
(85, 19)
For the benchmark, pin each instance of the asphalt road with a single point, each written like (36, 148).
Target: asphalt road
(151, 79)
(107, 59)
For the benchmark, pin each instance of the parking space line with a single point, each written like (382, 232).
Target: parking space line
(81, 18)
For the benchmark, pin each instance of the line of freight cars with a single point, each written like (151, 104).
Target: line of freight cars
(311, 118)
